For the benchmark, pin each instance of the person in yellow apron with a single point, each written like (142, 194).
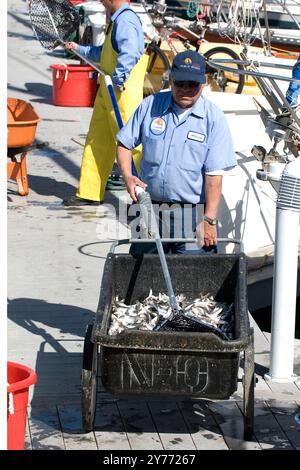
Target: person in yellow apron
(122, 57)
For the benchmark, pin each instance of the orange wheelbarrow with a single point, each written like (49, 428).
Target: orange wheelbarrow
(22, 121)
(17, 170)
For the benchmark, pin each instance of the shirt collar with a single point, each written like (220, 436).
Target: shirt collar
(165, 101)
(116, 13)
(197, 109)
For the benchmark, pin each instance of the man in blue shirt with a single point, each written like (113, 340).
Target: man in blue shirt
(127, 39)
(187, 147)
(121, 57)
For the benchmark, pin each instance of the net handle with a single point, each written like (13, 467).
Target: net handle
(92, 64)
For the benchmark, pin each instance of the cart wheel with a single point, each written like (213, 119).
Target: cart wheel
(248, 388)
(89, 381)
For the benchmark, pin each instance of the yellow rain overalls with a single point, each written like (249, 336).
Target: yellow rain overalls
(100, 146)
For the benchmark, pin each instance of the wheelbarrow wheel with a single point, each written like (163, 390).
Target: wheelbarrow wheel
(248, 388)
(89, 381)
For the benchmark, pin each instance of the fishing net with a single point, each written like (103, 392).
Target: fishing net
(239, 20)
(181, 322)
(53, 21)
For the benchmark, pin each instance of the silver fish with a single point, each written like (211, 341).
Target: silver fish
(147, 314)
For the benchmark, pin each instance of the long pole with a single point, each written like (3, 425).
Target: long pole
(285, 276)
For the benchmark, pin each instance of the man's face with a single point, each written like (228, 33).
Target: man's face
(186, 93)
(107, 4)
(112, 5)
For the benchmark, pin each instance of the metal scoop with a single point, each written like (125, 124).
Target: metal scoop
(177, 320)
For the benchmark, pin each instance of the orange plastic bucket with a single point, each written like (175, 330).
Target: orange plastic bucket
(19, 378)
(74, 85)
(22, 121)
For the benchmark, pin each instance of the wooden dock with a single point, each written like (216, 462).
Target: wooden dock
(54, 422)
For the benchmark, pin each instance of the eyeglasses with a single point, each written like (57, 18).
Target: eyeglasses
(186, 84)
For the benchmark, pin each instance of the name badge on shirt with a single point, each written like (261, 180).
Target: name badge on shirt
(158, 126)
(196, 136)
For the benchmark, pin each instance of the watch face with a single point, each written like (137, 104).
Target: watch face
(210, 221)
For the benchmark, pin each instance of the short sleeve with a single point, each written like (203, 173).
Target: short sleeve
(131, 132)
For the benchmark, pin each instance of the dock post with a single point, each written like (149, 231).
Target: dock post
(285, 276)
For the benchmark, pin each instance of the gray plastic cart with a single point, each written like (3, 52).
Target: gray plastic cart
(177, 363)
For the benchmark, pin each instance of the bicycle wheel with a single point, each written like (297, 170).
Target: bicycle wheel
(157, 74)
(221, 80)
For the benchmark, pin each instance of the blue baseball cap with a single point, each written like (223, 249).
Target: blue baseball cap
(188, 66)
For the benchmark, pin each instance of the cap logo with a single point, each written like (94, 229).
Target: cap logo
(187, 60)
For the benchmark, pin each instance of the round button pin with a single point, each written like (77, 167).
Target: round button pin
(158, 126)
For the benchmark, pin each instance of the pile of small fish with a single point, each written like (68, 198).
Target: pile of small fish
(219, 315)
(147, 315)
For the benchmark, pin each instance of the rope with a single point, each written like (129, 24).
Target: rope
(11, 409)
(241, 20)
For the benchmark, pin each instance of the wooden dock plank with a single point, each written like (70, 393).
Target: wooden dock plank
(202, 426)
(109, 430)
(170, 425)
(284, 414)
(267, 430)
(288, 390)
(230, 419)
(261, 348)
(45, 429)
(139, 426)
(262, 364)
(74, 436)
(259, 336)
(261, 388)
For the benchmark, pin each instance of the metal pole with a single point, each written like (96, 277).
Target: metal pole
(285, 276)
(284, 296)
(267, 28)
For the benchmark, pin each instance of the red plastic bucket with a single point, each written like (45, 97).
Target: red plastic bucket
(19, 378)
(74, 85)
(76, 2)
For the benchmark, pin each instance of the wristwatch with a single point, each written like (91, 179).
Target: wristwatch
(210, 221)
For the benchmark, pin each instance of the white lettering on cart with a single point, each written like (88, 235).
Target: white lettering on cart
(151, 371)
(192, 372)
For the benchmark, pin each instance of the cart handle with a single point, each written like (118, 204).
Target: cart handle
(126, 241)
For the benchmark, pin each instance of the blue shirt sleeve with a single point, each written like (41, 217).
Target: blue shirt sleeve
(221, 154)
(128, 41)
(131, 134)
(92, 53)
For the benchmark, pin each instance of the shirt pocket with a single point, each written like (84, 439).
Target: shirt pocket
(153, 149)
(194, 155)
